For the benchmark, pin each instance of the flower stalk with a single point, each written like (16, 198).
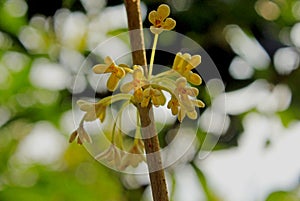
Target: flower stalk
(151, 142)
(152, 56)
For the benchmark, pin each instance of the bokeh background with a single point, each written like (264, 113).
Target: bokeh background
(255, 45)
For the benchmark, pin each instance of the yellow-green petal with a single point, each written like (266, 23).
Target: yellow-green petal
(152, 17)
(198, 103)
(101, 68)
(112, 82)
(194, 79)
(138, 72)
(127, 87)
(192, 91)
(102, 114)
(120, 72)
(108, 60)
(169, 24)
(192, 114)
(85, 105)
(138, 95)
(176, 61)
(163, 11)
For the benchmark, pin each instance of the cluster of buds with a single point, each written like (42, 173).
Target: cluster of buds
(141, 91)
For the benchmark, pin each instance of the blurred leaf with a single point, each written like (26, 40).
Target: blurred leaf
(283, 196)
(210, 196)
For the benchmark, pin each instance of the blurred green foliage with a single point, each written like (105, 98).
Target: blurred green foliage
(76, 175)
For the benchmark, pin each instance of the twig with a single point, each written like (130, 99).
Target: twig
(156, 171)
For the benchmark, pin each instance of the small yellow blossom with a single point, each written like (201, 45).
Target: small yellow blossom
(81, 136)
(160, 21)
(155, 95)
(187, 105)
(134, 156)
(173, 104)
(136, 84)
(116, 71)
(93, 110)
(112, 156)
(184, 63)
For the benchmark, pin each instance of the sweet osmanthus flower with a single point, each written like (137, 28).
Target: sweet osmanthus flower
(186, 104)
(184, 63)
(137, 84)
(116, 72)
(160, 19)
(141, 91)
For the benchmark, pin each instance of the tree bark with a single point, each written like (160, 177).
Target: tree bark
(150, 138)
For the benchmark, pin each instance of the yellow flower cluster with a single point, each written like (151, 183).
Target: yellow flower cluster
(143, 91)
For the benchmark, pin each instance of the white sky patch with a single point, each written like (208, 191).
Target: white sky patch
(44, 145)
(113, 47)
(213, 121)
(246, 47)
(295, 34)
(286, 60)
(32, 39)
(260, 95)
(252, 171)
(47, 75)
(187, 187)
(71, 59)
(240, 69)
(15, 61)
(16, 8)
(93, 6)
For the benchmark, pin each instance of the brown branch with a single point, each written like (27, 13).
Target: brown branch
(156, 171)
(135, 27)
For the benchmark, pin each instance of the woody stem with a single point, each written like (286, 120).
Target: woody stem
(149, 134)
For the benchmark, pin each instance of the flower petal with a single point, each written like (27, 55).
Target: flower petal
(181, 83)
(127, 87)
(158, 98)
(145, 101)
(138, 72)
(176, 61)
(163, 11)
(155, 30)
(169, 24)
(198, 103)
(193, 62)
(85, 105)
(101, 113)
(192, 91)
(152, 17)
(194, 79)
(120, 73)
(73, 136)
(138, 95)
(108, 60)
(84, 137)
(187, 56)
(112, 82)
(181, 114)
(90, 116)
(192, 114)
(101, 68)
